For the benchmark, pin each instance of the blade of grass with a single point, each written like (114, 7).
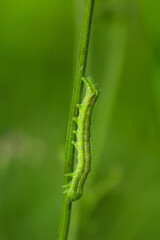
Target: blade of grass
(77, 93)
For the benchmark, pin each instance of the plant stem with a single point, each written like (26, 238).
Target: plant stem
(77, 94)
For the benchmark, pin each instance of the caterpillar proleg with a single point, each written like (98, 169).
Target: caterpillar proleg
(74, 189)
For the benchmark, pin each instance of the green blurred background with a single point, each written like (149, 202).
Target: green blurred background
(38, 52)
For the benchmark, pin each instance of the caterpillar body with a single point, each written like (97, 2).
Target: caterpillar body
(75, 187)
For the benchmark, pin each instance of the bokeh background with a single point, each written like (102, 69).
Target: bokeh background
(38, 52)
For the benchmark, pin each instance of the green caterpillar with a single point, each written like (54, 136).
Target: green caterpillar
(75, 187)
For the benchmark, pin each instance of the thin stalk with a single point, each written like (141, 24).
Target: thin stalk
(76, 98)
